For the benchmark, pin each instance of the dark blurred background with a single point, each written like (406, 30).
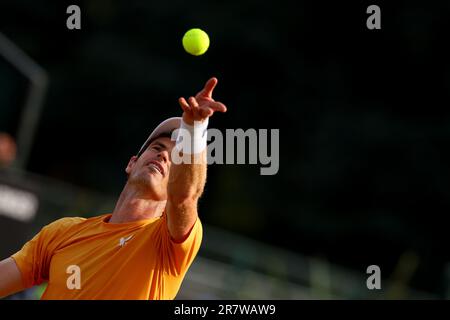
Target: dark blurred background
(363, 117)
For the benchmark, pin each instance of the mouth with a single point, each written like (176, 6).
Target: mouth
(155, 165)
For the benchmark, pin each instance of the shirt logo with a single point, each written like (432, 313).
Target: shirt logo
(124, 240)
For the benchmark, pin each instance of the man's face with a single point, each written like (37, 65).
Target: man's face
(151, 170)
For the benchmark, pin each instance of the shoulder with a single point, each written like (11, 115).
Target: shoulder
(66, 222)
(62, 225)
(195, 233)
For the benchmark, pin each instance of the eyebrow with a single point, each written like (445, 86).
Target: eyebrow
(158, 144)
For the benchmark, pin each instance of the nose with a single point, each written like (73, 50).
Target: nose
(163, 156)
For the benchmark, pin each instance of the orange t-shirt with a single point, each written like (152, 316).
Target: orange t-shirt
(135, 260)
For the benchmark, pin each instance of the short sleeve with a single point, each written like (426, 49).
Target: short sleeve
(33, 260)
(180, 255)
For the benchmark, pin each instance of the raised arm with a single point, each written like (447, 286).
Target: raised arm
(187, 180)
(10, 278)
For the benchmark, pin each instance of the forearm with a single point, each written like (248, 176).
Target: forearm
(187, 179)
(10, 278)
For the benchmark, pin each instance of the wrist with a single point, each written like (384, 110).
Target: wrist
(192, 138)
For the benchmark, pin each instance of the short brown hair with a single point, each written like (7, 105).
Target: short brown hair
(167, 134)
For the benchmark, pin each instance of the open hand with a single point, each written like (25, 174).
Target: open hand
(202, 106)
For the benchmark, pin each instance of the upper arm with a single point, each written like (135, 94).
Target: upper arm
(33, 260)
(177, 255)
(10, 278)
(181, 218)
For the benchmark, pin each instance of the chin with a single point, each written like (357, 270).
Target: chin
(150, 184)
(142, 181)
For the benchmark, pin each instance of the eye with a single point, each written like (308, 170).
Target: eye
(157, 147)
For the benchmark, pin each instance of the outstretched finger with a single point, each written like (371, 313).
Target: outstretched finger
(184, 105)
(217, 106)
(193, 103)
(208, 89)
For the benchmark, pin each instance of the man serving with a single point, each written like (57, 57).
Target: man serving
(145, 247)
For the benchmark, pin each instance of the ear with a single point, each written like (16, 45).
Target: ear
(130, 165)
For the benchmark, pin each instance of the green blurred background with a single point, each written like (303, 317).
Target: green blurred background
(363, 119)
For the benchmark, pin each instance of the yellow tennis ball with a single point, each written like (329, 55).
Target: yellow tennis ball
(196, 41)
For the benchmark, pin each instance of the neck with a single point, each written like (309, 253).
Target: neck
(133, 205)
